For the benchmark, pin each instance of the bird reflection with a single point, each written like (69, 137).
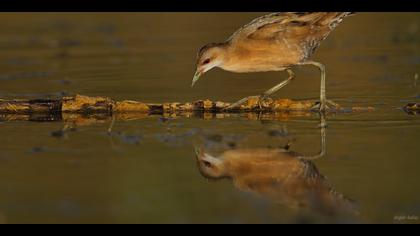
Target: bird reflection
(279, 174)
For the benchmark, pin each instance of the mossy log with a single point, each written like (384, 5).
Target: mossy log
(103, 105)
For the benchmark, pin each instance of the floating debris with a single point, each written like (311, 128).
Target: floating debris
(103, 105)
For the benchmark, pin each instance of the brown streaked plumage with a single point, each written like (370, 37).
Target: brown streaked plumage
(274, 42)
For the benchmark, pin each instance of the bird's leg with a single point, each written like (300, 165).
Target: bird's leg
(323, 126)
(323, 103)
(111, 125)
(276, 88)
(242, 101)
(266, 94)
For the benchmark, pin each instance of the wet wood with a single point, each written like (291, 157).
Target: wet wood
(21, 106)
(80, 104)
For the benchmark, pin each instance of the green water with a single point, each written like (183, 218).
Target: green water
(146, 170)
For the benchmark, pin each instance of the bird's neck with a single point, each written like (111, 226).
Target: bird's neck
(224, 50)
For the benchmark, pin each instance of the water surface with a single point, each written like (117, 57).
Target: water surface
(146, 170)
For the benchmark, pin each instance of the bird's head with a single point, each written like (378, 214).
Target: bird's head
(209, 166)
(209, 56)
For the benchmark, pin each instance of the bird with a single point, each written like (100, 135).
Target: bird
(273, 42)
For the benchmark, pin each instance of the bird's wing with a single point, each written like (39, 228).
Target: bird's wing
(290, 25)
(251, 27)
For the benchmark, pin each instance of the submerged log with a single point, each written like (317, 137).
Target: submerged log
(102, 105)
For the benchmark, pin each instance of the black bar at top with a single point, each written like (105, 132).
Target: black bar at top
(207, 5)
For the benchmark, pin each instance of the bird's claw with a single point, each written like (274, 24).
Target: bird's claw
(327, 106)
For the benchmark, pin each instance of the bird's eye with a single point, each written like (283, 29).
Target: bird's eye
(207, 164)
(207, 61)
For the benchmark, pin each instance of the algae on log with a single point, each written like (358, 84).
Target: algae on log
(103, 105)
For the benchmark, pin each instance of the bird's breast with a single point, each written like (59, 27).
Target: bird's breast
(260, 59)
(253, 67)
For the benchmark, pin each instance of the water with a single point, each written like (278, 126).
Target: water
(146, 170)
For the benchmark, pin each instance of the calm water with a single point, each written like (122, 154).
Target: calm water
(146, 171)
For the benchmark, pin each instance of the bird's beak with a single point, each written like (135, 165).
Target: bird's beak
(197, 151)
(196, 77)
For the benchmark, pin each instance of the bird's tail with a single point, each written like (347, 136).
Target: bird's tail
(332, 19)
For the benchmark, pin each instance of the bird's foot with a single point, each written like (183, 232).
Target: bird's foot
(251, 102)
(328, 105)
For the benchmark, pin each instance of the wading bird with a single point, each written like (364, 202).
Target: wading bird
(274, 42)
